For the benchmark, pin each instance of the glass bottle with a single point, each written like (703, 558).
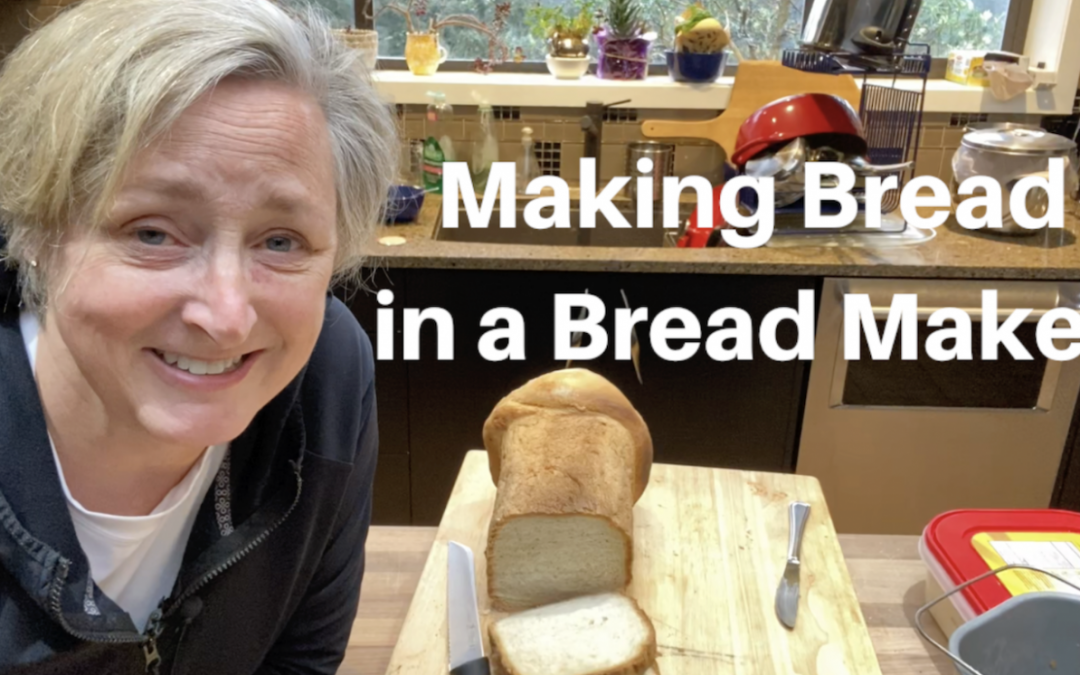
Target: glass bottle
(438, 147)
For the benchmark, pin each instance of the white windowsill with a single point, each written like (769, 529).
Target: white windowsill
(543, 90)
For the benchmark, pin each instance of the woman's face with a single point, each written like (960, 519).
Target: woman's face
(204, 295)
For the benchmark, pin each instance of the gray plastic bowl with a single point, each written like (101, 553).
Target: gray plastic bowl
(1031, 634)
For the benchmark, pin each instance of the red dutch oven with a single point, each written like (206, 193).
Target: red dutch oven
(824, 117)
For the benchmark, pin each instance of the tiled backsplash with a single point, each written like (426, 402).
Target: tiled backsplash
(558, 131)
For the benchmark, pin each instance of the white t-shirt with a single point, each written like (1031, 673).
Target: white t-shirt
(135, 559)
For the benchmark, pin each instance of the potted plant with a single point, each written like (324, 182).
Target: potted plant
(622, 43)
(566, 34)
(364, 41)
(424, 54)
(701, 43)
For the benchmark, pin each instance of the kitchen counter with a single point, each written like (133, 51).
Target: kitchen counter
(952, 253)
(885, 570)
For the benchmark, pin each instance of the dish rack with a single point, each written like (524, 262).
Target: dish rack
(891, 103)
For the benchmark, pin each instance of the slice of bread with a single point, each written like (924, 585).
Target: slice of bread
(603, 634)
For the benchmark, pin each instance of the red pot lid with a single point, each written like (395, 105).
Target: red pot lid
(955, 539)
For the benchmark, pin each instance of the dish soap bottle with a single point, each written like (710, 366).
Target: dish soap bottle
(439, 147)
(488, 152)
(528, 168)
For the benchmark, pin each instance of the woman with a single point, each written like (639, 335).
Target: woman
(187, 416)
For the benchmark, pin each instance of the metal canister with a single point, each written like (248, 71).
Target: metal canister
(1009, 153)
(662, 156)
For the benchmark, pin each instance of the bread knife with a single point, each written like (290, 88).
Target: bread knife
(787, 594)
(635, 346)
(576, 338)
(462, 615)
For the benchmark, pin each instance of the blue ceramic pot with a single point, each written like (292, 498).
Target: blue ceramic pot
(404, 203)
(686, 67)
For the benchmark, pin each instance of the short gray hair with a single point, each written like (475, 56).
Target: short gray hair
(82, 95)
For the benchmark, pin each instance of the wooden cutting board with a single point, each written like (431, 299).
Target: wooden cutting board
(757, 83)
(709, 550)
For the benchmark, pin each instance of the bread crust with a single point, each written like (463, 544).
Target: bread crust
(572, 390)
(638, 665)
(559, 463)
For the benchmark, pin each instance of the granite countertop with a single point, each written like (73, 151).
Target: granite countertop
(952, 253)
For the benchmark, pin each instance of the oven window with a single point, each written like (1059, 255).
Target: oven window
(1004, 383)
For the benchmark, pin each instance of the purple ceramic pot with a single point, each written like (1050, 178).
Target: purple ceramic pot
(622, 58)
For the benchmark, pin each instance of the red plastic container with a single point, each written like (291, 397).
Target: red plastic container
(960, 545)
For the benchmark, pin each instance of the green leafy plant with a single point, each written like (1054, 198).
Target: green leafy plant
(546, 21)
(624, 20)
(698, 32)
(693, 15)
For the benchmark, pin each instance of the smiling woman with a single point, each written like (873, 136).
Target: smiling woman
(175, 368)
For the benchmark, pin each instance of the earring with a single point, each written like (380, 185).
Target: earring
(33, 263)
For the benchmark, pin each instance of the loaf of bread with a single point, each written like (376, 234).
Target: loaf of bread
(570, 457)
(604, 634)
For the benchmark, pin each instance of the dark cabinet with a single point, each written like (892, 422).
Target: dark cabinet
(737, 414)
(391, 500)
(392, 503)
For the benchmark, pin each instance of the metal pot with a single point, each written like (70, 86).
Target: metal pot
(1008, 153)
(561, 45)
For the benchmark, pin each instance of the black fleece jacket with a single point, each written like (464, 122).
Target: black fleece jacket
(271, 574)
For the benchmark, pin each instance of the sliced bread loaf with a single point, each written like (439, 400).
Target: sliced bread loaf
(602, 634)
(570, 456)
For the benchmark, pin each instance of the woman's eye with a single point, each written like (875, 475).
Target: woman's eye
(279, 244)
(152, 237)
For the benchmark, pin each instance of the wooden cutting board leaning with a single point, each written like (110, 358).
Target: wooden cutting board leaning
(756, 84)
(709, 551)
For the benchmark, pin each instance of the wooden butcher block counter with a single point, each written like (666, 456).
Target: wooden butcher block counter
(709, 550)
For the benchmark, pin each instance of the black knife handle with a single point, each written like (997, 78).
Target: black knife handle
(479, 666)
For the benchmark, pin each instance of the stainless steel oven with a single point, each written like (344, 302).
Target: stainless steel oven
(897, 442)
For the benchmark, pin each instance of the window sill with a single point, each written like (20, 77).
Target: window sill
(543, 90)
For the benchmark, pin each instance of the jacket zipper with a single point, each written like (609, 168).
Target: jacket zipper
(239, 555)
(154, 624)
(54, 603)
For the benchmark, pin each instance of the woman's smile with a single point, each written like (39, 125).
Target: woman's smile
(200, 366)
(202, 375)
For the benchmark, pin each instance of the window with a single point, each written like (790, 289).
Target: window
(341, 12)
(962, 24)
(761, 29)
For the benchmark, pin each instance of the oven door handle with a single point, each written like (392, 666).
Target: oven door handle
(975, 313)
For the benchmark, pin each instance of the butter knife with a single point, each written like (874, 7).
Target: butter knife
(787, 595)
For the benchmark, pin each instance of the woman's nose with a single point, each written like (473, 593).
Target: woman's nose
(222, 305)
